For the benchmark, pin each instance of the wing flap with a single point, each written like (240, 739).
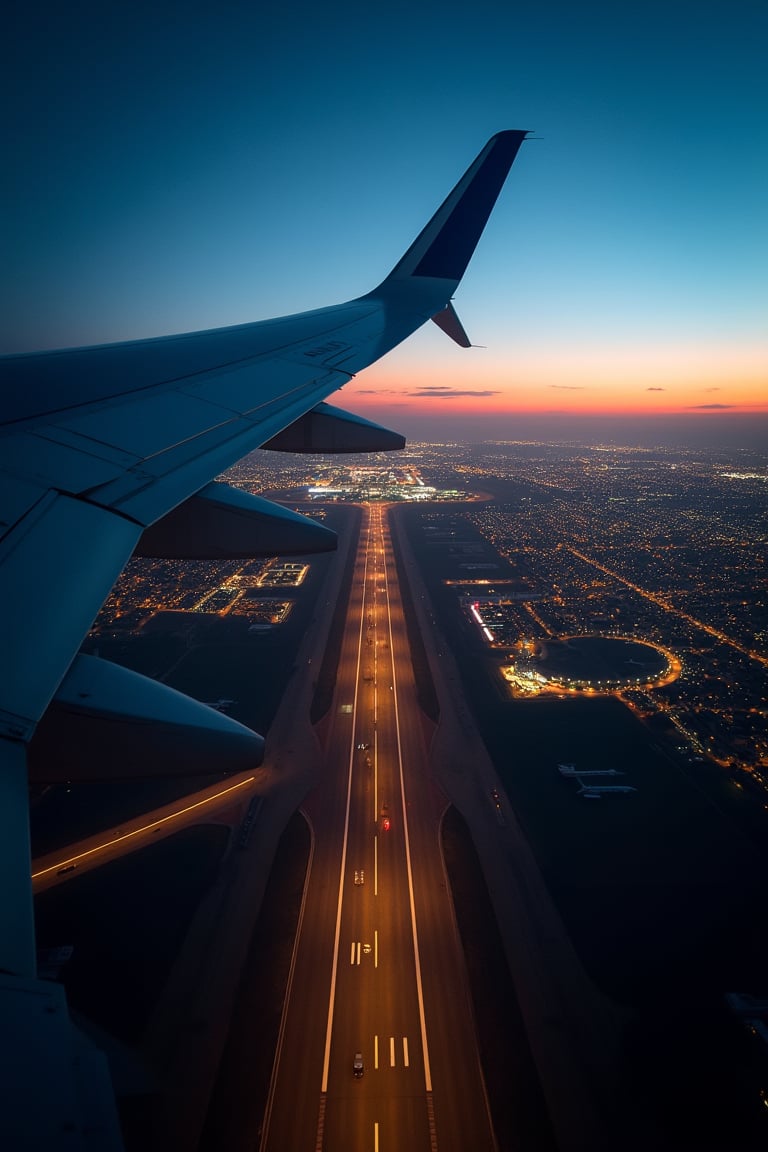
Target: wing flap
(140, 429)
(55, 458)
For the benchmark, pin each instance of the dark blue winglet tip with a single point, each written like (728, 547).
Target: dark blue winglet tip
(444, 247)
(518, 134)
(450, 251)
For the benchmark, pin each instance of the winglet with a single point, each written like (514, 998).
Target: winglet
(449, 322)
(444, 248)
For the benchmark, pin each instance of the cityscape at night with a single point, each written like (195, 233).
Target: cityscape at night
(667, 546)
(607, 611)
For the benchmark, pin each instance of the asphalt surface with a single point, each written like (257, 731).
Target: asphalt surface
(378, 967)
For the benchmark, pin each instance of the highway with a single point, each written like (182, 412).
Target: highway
(377, 967)
(213, 803)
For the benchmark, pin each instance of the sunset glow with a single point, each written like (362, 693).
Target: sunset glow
(696, 378)
(622, 272)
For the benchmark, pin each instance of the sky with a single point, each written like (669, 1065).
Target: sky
(171, 167)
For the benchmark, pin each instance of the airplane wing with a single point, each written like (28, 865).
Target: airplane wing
(98, 444)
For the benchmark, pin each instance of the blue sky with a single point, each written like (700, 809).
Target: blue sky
(172, 167)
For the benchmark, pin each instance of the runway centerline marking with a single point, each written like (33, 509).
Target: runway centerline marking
(409, 870)
(375, 772)
(345, 844)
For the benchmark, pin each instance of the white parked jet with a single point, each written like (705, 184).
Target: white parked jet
(597, 791)
(572, 770)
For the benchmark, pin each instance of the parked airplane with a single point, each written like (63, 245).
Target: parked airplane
(597, 791)
(110, 452)
(571, 770)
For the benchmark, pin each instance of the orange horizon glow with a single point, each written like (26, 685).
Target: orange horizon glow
(606, 381)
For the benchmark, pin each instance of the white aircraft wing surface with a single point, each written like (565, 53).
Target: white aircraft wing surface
(99, 443)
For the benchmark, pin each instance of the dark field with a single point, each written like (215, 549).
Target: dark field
(596, 658)
(239, 1098)
(127, 921)
(661, 890)
(517, 1105)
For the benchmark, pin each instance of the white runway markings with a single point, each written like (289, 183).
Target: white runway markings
(392, 1051)
(358, 948)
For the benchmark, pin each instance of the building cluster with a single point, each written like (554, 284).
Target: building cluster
(549, 541)
(667, 546)
(223, 588)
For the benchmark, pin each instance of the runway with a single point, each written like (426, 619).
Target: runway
(378, 967)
